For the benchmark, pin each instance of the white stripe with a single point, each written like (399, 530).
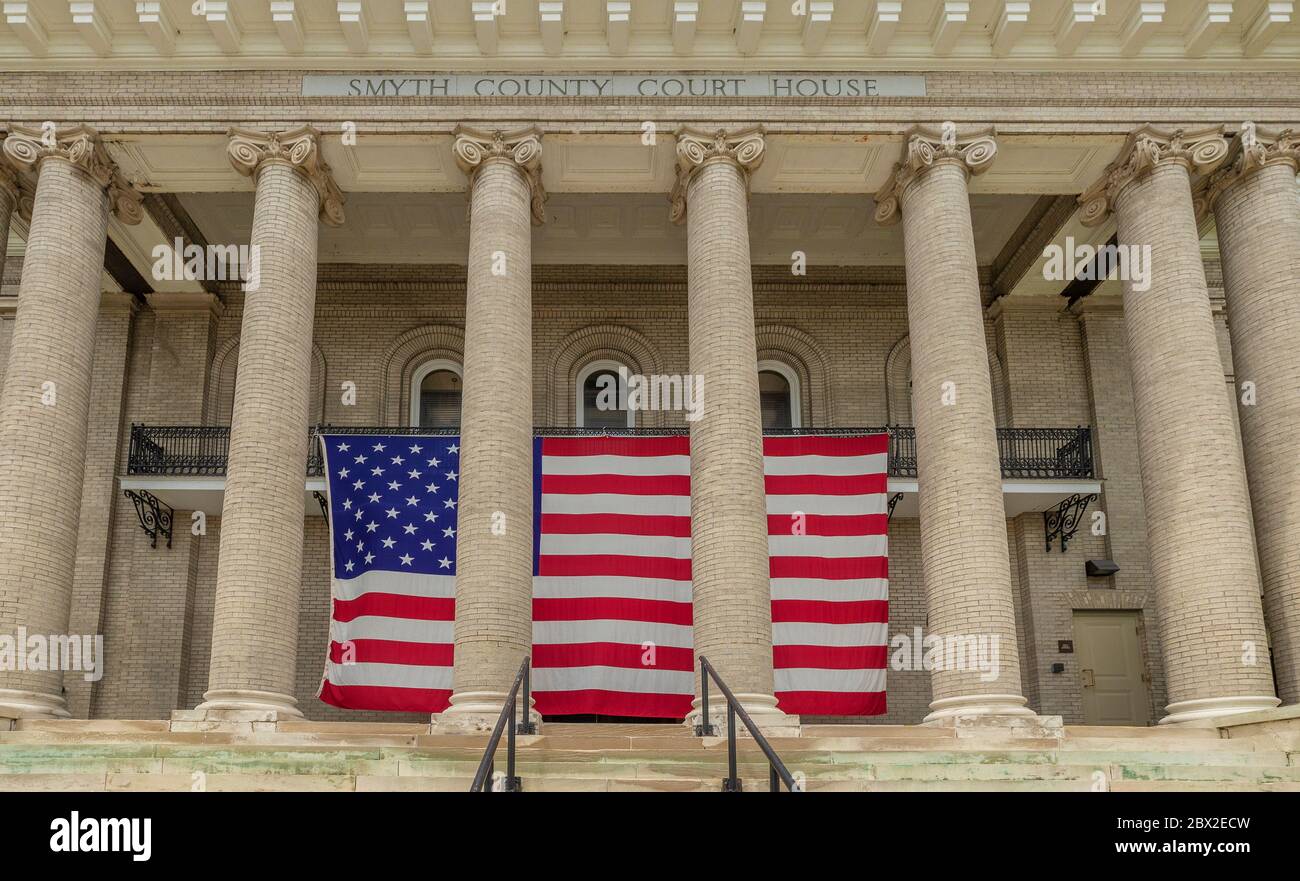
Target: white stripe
(394, 629)
(804, 633)
(869, 503)
(389, 675)
(410, 584)
(623, 545)
(852, 590)
(571, 587)
(615, 503)
(826, 545)
(804, 679)
(608, 630)
(637, 680)
(828, 466)
(635, 465)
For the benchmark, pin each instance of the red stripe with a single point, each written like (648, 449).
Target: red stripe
(670, 445)
(830, 657)
(618, 484)
(386, 651)
(615, 564)
(828, 524)
(615, 524)
(375, 697)
(825, 484)
(831, 703)
(805, 445)
(612, 609)
(824, 612)
(829, 567)
(392, 605)
(612, 703)
(611, 654)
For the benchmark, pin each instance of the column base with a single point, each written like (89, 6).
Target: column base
(1210, 708)
(473, 712)
(15, 704)
(760, 707)
(239, 700)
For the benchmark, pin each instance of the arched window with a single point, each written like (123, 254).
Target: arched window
(602, 397)
(778, 395)
(435, 395)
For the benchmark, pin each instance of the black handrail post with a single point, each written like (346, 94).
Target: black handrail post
(511, 780)
(526, 725)
(705, 728)
(732, 783)
(773, 779)
(487, 765)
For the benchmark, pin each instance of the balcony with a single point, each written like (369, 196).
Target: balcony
(185, 465)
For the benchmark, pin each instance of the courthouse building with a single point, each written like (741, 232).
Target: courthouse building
(846, 216)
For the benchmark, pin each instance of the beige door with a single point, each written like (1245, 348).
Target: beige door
(1110, 661)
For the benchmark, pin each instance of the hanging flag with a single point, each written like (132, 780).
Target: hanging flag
(611, 589)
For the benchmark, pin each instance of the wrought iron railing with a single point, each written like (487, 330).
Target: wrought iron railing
(1026, 453)
(483, 778)
(777, 772)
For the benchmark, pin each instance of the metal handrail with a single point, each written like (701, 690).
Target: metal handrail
(1025, 453)
(487, 765)
(778, 773)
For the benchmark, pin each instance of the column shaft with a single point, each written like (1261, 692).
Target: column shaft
(44, 407)
(1197, 512)
(1258, 221)
(259, 568)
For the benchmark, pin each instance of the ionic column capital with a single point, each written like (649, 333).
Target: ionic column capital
(80, 145)
(1255, 148)
(1146, 149)
(929, 147)
(743, 149)
(300, 148)
(476, 149)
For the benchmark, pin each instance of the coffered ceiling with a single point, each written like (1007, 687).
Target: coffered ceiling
(511, 35)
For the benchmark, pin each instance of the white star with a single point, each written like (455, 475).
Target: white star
(347, 536)
(369, 559)
(449, 532)
(358, 484)
(347, 504)
(361, 546)
(413, 474)
(453, 449)
(388, 542)
(433, 463)
(371, 526)
(451, 475)
(450, 503)
(444, 563)
(343, 448)
(431, 488)
(393, 484)
(412, 501)
(378, 448)
(409, 529)
(406, 559)
(416, 448)
(359, 459)
(359, 512)
(374, 498)
(431, 517)
(392, 513)
(343, 473)
(426, 545)
(349, 565)
(376, 471)
(398, 460)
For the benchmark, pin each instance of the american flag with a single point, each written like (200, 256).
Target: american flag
(611, 589)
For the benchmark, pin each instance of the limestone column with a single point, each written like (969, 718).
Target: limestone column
(46, 397)
(729, 560)
(259, 565)
(965, 563)
(1257, 211)
(494, 568)
(1203, 563)
(10, 193)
